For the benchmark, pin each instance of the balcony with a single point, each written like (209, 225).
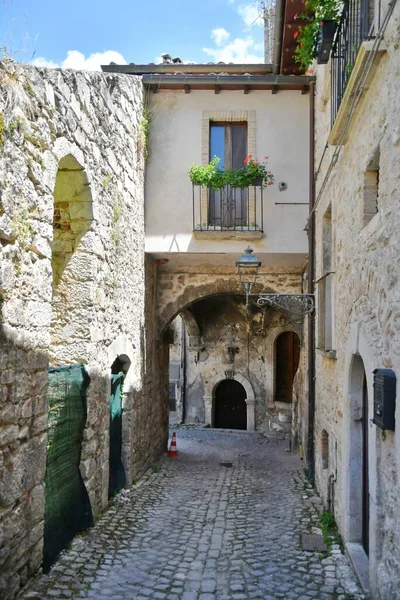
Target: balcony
(228, 212)
(354, 27)
(353, 44)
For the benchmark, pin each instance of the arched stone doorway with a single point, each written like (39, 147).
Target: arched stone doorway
(230, 410)
(287, 354)
(210, 396)
(359, 504)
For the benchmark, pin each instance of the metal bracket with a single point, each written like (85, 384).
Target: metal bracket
(296, 304)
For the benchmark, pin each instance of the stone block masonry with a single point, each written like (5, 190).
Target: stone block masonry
(71, 284)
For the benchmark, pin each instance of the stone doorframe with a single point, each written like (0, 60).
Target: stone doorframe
(270, 359)
(209, 398)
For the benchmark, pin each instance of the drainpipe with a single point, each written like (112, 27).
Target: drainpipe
(279, 17)
(183, 370)
(311, 279)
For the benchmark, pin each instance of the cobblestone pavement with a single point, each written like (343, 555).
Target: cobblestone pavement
(198, 529)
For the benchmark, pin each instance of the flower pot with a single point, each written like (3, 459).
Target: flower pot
(325, 41)
(258, 180)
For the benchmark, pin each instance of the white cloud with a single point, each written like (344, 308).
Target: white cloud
(250, 14)
(220, 35)
(43, 62)
(238, 51)
(246, 49)
(77, 60)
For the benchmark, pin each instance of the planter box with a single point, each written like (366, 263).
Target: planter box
(325, 41)
(257, 181)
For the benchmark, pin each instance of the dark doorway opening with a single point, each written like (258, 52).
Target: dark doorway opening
(230, 405)
(365, 470)
(117, 477)
(287, 354)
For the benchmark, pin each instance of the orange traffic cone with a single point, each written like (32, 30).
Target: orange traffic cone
(172, 449)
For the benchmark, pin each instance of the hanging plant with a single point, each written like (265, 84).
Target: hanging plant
(309, 37)
(254, 172)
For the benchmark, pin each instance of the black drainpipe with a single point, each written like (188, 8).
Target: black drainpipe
(183, 370)
(311, 279)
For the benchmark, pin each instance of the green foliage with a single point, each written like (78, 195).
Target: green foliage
(329, 529)
(211, 176)
(105, 182)
(15, 125)
(144, 131)
(155, 469)
(36, 141)
(316, 12)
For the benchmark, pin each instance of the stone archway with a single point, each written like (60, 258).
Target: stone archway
(209, 398)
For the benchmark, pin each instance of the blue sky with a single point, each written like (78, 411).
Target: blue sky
(87, 33)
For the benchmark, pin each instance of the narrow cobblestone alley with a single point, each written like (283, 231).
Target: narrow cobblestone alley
(221, 521)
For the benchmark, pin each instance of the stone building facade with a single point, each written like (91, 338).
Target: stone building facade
(195, 249)
(357, 163)
(72, 288)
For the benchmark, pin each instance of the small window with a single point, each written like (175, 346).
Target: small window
(371, 189)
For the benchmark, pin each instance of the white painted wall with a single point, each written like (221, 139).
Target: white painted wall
(176, 141)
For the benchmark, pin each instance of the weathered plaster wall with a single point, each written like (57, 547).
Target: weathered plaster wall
(366, 320)
(71, 182)
(277, 127)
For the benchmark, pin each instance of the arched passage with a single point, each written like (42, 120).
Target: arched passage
(117, 476)
(287, 354)
(230, 411)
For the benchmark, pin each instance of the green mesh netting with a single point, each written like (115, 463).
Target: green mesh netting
(67, 505)
(117, 477)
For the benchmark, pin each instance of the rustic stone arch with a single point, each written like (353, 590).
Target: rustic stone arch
(192, 293)
(72, 266)
(209, 397)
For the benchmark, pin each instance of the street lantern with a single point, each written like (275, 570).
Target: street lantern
(247, 266)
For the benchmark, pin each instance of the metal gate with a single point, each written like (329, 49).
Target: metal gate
(67, 506)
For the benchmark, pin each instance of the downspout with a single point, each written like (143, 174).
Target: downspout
(183, 370)
(279, 19)
(311, 286)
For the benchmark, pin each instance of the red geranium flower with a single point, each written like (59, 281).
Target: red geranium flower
(295, 35)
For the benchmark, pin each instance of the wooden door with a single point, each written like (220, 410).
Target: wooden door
(230, 405)
(286, 364)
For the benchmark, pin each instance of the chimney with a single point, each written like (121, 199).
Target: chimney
(268, 9)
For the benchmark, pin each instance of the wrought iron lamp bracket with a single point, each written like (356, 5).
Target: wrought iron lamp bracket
(296, 304)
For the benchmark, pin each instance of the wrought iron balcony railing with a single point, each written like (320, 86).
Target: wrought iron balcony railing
(356, 25)
(228, 209)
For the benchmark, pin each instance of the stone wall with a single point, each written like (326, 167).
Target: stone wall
(180, 286)
(222, 335)
(72, 285)
(366, 294)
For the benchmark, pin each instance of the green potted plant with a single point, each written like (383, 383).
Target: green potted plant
(315, 38)
(254, 172)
